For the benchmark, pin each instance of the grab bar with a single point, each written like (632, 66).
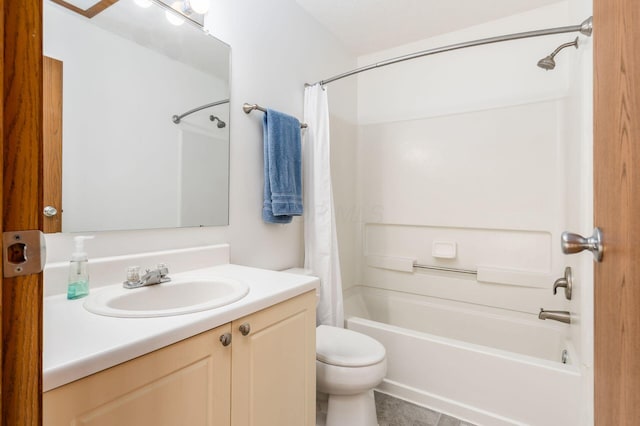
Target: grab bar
(445, 269)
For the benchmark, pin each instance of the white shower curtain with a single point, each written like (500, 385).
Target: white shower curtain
(320, 239)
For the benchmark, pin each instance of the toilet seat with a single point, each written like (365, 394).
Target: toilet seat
(346, 348)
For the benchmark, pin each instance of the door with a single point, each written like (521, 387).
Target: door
(21, 70)
(52, 145)
(273, 365)
(617, 211)
(186, 383)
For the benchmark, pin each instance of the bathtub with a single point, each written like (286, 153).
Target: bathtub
(485, 365)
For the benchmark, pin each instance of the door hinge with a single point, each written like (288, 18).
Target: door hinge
(25, 253)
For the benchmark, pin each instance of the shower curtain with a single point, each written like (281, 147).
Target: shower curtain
(320, 238)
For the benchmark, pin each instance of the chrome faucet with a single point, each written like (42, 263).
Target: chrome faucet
(562, 316)
(151, 276)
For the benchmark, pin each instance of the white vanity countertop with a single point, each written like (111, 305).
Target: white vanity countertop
(78, 343)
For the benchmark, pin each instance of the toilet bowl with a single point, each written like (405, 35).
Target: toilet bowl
(348, 366)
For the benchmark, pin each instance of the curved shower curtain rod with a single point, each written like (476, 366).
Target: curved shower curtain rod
(176, 118)
(585, 28)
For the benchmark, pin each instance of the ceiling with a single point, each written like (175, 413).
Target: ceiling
(366, 26)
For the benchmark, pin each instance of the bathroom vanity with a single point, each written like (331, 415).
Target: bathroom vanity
(249, 362)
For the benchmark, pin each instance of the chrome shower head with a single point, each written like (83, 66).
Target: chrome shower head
(220, 124)
(548, 63)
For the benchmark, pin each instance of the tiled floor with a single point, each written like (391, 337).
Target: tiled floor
(396, 412)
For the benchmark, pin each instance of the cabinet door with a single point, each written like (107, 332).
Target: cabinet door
(186, 383)
(273, 365)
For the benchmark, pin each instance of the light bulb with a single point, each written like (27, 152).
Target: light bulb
(172, 16)
(143, 3)
(199, 6)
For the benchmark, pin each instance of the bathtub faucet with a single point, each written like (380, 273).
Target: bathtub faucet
(562, 316)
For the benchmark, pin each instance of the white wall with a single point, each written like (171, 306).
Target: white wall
(472, 79)
(203, 177)
(344, 160)
(276, 48)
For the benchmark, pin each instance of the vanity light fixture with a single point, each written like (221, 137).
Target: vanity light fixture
(176, 11)
(173, 17)
(198, 6)
(186, 8)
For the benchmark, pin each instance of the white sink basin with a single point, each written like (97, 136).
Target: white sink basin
(166, 299)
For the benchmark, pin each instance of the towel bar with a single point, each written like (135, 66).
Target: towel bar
(247, 108)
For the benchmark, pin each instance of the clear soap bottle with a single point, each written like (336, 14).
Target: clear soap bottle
(78, 284)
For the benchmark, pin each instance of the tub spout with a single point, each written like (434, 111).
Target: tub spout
(562, 316)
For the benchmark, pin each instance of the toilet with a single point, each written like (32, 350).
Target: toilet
(348, 366)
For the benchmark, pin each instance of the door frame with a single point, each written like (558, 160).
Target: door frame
(617, 211)
(21, 354)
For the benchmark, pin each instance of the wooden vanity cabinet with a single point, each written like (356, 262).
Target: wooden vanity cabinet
(265, 377)
(186, 383)
(274, 365)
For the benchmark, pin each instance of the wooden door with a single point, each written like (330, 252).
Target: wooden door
(52, 143)
(21, 69)
(617, 211)
(273, 365)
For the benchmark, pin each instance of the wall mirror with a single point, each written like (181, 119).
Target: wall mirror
(113, 84)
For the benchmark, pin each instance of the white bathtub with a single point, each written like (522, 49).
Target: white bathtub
(484, 365)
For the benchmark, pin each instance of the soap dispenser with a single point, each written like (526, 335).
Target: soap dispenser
(78, 270)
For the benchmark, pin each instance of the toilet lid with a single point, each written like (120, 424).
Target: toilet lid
(347, 348)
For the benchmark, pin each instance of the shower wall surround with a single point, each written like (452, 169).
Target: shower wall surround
(269, 67)
(482, 148)
(470, 147)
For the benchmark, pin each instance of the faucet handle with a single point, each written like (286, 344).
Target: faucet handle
(133, 274)
(566, 282)
(162, 269)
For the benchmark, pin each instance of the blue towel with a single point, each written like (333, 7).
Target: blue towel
(282, 168)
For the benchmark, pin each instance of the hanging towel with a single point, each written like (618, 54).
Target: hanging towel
(282, 167)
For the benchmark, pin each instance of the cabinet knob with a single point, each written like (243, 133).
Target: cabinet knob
(245, 328)
(225, 339)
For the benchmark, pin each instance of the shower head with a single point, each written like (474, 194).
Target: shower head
(548, 63)
(220, 124)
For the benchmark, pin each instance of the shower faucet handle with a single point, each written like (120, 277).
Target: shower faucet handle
(566, 282)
